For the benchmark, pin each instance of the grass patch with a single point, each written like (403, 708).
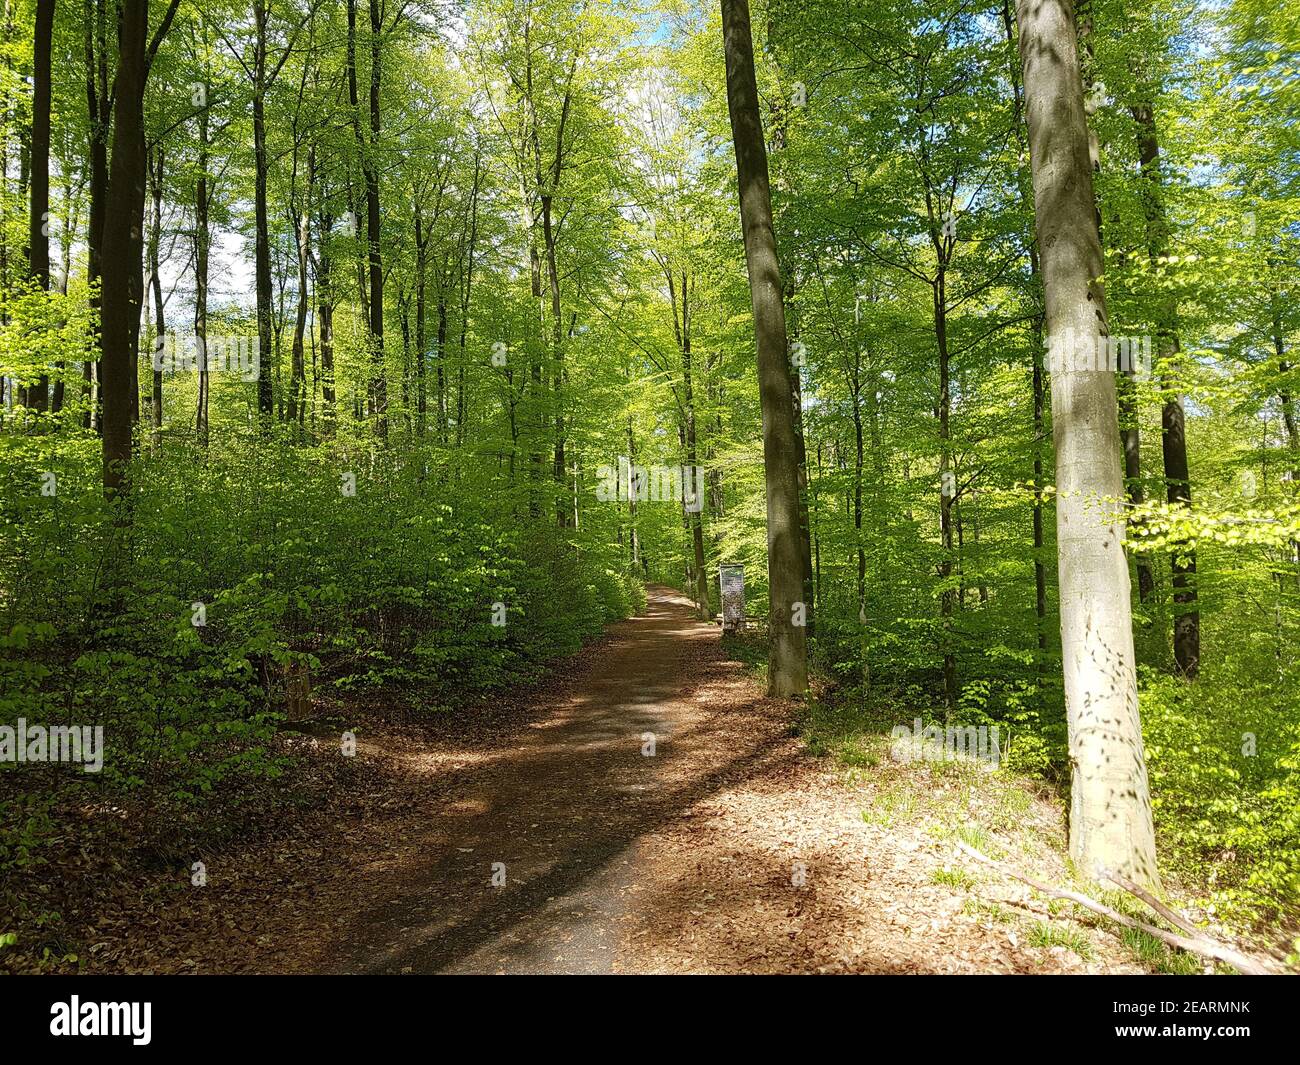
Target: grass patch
(957, 878)
(991, 910)
(1154, 954)
(890, 806)
(976, 836)
(1046, 934)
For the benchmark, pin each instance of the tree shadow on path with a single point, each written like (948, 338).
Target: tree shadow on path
(555, 813)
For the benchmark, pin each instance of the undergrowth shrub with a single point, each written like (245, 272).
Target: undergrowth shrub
(1224, 760)
(248, 564)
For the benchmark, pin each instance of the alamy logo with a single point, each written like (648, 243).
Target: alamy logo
(1074, 352)
(659, 484)
(239, 355)
(102, 1018)
(53, 743)
(939, 743)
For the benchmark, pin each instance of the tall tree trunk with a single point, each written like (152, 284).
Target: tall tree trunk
(1040, 564)
(94, 21)
(801, 466)
(124, 248)
(38, 233)
(71, 218)
(1110, 809)
(464, 299)
(947, 490)
(530, 390)
(354, 110)
(1129, 420)
(6, 119)
(1035, 273)
(325, 314)
(160, 324)
(634, 538)
(298, 363)
(1131, 438)
(378, 382)
(202, 247)
(695, 502)
(421, 268)
(788, 665)
(1173, 431)
(404, 316)
(441, 381)
(859, 457)
(1287, 402)
(557, 355)
(262, 239)
(1284, 392)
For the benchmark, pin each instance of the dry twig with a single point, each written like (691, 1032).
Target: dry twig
(1195, 943)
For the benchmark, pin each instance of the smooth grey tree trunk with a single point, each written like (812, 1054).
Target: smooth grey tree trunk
(1110, 808)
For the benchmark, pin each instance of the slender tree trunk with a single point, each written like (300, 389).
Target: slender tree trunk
(354, 110)
(1284, 393)
(298, 360)
(1131, 438)
(71, 219)
(404, 316)
(262, 238)
(1035, 273)
(805, 520)
(202, 246)
(464, 300)
(695, 502)
(557, 356)
(1129, 421)
(96, 48)
(38, 233)
(1173, 431)
(947, 492)
(325, 317)
(788, 667)
(441, 380)
(859, 458)
(1040, 565)
(421, 267)
(1287, 402)
(6, 120)
(634, 539)
(1110, 809)
(124, 248)
(156, 173)
(378, 381)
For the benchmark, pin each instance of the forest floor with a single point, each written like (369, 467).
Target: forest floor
(728, 849)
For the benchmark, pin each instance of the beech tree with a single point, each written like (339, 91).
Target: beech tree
(123, 289)
(787, 668)
(1110, 805)
(38, 238)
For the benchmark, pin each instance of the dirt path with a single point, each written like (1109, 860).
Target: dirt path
(727, 849)
(559, 812)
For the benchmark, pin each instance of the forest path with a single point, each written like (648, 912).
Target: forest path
(727, 850)
(564, 811)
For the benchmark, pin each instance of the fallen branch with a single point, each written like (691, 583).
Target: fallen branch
(1200, 945)
(1134, 888)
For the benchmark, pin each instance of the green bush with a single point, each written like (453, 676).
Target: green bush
(394, 585)
(1224, 760)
